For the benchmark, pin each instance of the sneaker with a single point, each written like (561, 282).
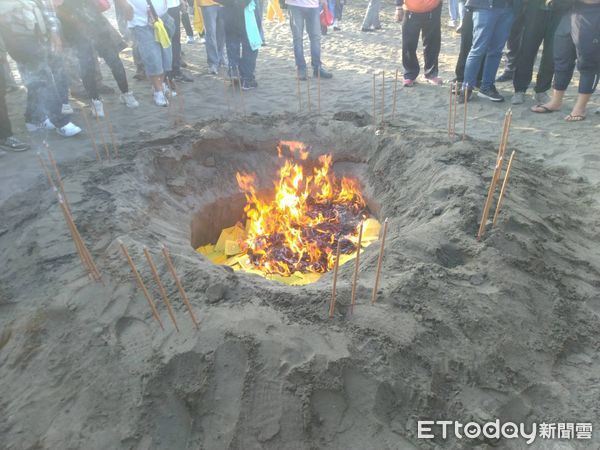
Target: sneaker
(542, 98)
(202, 41)
(462, 94)
(437, 81)
(324, 74)
(452, 23)
(98, 108)
(183, 78)
(69, 130)
(129, 100)
(66, 109)
(191, 40)
(302, 74)
(45, 125)
(490, 93)
(408, 83)
(367, 30)
(249, 84)
(518, 98)
(213, 70)
(505, 76)
(13, 144)
(160, 99)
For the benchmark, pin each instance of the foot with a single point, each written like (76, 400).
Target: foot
(45, 125)
(129, 100)
(302, 74)
(322, 73)
(491, 93)
(367, 30)
(575, 117)
(542, 97)
(518, 98)
(66, 109)
(183, 78)
(97, 108)
(437, 81)
(213, 70)
(248, 85)
(191, 40)
(160, 99)
(465, 94)
(69, 130)
(505, 76)
(452, 23)
(13, 144)
(408, 83)
(545, 108)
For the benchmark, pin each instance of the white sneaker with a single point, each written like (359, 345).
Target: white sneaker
(66, 109)
(168, 91)
(69, 130)
(98, 108)
(452, 23)
(542, 98)
(160, 99)
(129, 100)
(518, 98)
(202, 41)
(45, 125)
(191, 40)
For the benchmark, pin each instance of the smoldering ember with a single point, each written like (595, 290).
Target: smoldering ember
(352, 263)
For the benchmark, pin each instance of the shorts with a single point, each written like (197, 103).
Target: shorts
(156, 60)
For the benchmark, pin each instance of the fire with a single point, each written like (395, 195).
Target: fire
(296, 230)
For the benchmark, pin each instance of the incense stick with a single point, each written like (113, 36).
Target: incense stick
(161, 287)
(395, 92)
(78, 244)
(308, 92)
(465, 114)
(298, 92)
(505, 133)
(450, 102)
(45, 169)
(488, 200)
(101, 133)
(503, 189)
(141, 284)
(335, 275)
(382, 96)
(379, 262)
(241, 93)
(112, 135)
(374, 102)
(91, 132)
(356, 267)
(182, 292)
(455, 109)
(58, 178)
(319, 92)
(225, 91)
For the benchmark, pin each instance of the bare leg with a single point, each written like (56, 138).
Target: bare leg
(579, 109)
(554, 104)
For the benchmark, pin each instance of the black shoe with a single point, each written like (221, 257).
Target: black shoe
(490, 93)
(461, 95)
(13, 144)
(183, 64)
(367, 30)
(505, 76)
(249, 84)
(322, 73)
(183, 78)
(302, 74)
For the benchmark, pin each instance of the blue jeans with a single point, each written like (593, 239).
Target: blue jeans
(214, 28)
(298, 16)
(243, 64)
(456, 9)
(491, 28)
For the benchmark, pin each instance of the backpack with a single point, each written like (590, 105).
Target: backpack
(22, 17)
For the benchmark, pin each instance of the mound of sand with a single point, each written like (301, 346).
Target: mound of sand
(464, 330)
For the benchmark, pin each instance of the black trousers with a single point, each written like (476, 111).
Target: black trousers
(187, 24)
(5, 128)
(175, 13)
(577, 39)
(429, 24)
(539, 26)
(513, 44)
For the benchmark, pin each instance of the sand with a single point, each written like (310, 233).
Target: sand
(503, 328)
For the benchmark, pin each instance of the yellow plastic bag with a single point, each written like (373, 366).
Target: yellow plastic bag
(198, 19)
(160, 34)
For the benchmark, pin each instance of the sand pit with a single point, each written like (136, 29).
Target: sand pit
(464, 330)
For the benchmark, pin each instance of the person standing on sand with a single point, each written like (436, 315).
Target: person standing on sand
(492, 20)
(157, 60)
(176, 74)
(31, 34)
(7, 140)
(421, 16)
(212, 15)
(307, 12)
(577, 39)
(371, 21)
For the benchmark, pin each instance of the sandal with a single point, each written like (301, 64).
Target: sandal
(544, 109)
(574, 118)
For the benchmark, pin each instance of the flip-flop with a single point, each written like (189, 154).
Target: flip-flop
(574, 118)
(544, 109)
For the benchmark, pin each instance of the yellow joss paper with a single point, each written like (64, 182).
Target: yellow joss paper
(206, 249)
(234, 233)
(371, 230)
(345, 258)
(232, 248)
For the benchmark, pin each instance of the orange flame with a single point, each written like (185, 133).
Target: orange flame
(298, 229)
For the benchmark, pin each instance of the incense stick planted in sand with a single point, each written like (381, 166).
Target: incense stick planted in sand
(101, 133)
(92, 135)
(503, 189)
(58, 178)
(382, 96)
(374, 103)
(141, 284)
(356, 268)
(111, 132)
(299, 93)
(490, 196)
(505, 133)
(450, 104)
(465, 115)
(319, 92)
(395, 95)
(379, 262)
(308, 93)
(182, 292)
(455, 108)
(336, 266)
(241, 93)
(161, 287)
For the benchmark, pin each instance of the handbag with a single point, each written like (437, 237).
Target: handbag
(326, 17)
(103, 5)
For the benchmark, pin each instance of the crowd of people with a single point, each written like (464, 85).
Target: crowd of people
(36, 33)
